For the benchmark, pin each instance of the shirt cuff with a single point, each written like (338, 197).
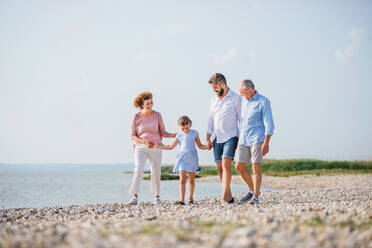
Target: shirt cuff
(269, 133)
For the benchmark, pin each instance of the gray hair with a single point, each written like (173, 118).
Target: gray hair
(246, 83)
(217, 78)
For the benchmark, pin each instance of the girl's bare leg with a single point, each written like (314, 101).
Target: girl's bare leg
(183, 180)
(191, 176)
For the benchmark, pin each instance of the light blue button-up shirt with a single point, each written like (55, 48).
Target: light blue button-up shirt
(256, 120)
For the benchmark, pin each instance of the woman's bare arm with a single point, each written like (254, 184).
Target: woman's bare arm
(141, 141)
(138, 140)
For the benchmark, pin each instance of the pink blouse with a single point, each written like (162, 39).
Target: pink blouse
(148, 128)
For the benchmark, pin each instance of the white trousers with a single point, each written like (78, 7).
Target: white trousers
(141, 154)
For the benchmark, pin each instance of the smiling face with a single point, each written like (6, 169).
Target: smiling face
(185, 128)
(147, 104)
(219, 88)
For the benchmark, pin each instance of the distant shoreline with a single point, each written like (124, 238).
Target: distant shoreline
(201, 165)
(282, 168)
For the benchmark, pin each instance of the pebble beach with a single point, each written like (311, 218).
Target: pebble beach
(300, 211)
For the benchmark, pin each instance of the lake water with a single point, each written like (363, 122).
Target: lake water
(59, 184)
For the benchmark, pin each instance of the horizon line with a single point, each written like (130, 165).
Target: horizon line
(127, 163)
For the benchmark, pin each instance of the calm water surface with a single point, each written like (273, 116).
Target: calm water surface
(59, 184)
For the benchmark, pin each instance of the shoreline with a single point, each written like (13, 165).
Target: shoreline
(335, 211)
(302, 181)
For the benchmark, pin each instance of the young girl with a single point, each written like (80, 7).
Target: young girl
(187, 158)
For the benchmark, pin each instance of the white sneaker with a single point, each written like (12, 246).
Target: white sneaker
(157, 200)
(134, 201)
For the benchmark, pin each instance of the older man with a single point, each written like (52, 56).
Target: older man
(224, 115)
(256, 129)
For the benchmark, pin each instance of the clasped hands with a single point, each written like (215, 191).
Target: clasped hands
(149, 144)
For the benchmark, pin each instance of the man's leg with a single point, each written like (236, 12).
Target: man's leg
(217, 153)
(244, 173)
(256, 167)
(229, 148)
(226, 179)
(220, 171)
(243, 155)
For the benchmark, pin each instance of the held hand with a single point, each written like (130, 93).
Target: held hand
(152, 144)
(265, 148)
(209, 145)
(149, 144)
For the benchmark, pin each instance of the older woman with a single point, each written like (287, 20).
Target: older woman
(147, 130)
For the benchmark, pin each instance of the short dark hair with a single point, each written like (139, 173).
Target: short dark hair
(184, 120)
(217, 78)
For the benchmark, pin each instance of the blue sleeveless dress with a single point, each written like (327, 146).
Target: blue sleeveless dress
(187, 157)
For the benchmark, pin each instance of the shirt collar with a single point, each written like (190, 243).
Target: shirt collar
(255, 96)
(228, 93)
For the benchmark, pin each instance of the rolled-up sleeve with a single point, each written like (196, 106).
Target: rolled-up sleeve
(210, 118)
(161, 125)
(134, 126)
(267, 118)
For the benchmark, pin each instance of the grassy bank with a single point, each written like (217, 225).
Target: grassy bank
(285, 168)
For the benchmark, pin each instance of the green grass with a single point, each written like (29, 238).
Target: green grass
(309, 164)
(367, 224)
(317, 222)
(284, 168)
(323, 172)
(314, 167)
(313, 222)
(166, 174)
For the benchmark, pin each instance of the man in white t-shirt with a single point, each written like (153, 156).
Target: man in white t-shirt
(223, 131)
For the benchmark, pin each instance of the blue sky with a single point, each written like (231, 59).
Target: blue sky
(69, 71)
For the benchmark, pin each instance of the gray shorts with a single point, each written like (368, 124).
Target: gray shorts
(246, 154)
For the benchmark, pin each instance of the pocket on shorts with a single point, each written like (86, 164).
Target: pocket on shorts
(256, 150)
(243, 154)
(229, 148)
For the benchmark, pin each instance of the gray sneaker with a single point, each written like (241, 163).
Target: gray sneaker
(254, 200)
(246, 198)
(157, 200)
(134, 201)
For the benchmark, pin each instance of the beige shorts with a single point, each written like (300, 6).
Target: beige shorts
(246, 154)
